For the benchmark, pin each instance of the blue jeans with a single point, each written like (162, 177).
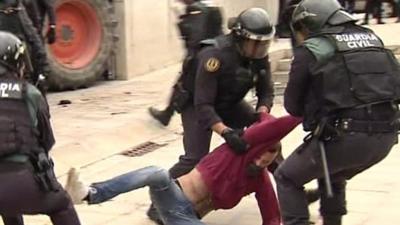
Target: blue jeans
(169, 200)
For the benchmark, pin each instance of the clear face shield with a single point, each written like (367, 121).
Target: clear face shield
(256, 46)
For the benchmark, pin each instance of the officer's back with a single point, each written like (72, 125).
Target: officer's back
(201, 21)
(350, 73)
(29, 185)
(346, 86)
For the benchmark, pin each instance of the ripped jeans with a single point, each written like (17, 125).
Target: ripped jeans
(169, 200)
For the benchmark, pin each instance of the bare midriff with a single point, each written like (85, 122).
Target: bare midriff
(195, 189)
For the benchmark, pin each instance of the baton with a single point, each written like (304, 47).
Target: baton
(328, 183)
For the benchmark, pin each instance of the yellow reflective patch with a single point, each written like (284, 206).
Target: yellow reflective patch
(212, 64)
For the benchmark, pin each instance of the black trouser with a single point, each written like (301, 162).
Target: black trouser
(196, 139)
(20, 194)
(347, 155)
(398, 9)
(13, 220)
(37, 49)
(370, 8)
(21, 25)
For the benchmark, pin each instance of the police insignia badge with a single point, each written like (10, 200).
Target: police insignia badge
(212, 64)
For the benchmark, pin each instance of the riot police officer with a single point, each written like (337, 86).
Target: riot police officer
(345, 85)
(226, 71)
(201, 21)
(28, 182)
(14, 19)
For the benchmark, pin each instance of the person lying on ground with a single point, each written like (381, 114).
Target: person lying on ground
(219, 181)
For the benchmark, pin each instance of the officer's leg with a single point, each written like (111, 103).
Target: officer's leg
(398, 11)
(58, 206)
(298, 169)
(176, 98)
(25, 196)
(332, 209)
(368, 9)
(13, 220)
(348, 152)
(196, 142)
(164, 116)
(38, 51)
(378, 8)
(66, 216)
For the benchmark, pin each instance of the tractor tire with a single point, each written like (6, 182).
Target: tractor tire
(85, 45)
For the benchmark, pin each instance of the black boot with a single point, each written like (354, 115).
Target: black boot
(163, 116)
(153, 215)
(332, 220)
(312, 195)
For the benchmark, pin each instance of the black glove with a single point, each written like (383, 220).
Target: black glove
(234, 140)
(51, 35)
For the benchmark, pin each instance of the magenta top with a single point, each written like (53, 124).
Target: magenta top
(224, 172)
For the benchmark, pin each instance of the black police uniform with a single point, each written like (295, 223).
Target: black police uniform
(345, 77)
(223, 79)
(28, 184)
(200, 22)
(14, 19)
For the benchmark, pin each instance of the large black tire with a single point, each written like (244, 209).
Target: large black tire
(63, 77)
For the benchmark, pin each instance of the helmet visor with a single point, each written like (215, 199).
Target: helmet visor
(255, 49)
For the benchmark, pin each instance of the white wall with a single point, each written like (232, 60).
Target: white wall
(148, 35)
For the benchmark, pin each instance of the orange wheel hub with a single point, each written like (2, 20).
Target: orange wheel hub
(79, 34)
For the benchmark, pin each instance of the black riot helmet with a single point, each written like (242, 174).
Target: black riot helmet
(254, 30)
(12, 52)
(316, 14)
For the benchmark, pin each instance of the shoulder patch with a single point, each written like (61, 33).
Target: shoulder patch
(212, 64)
(10, 89)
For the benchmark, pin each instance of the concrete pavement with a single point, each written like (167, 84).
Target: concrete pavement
(111, 117)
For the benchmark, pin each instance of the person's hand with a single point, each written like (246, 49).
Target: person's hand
(51, 34)
(235, 141)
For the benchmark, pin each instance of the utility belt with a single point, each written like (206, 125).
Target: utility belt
(16, 158)
(10, 10)
(41, 166)
(366, 126)
(379, 112)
